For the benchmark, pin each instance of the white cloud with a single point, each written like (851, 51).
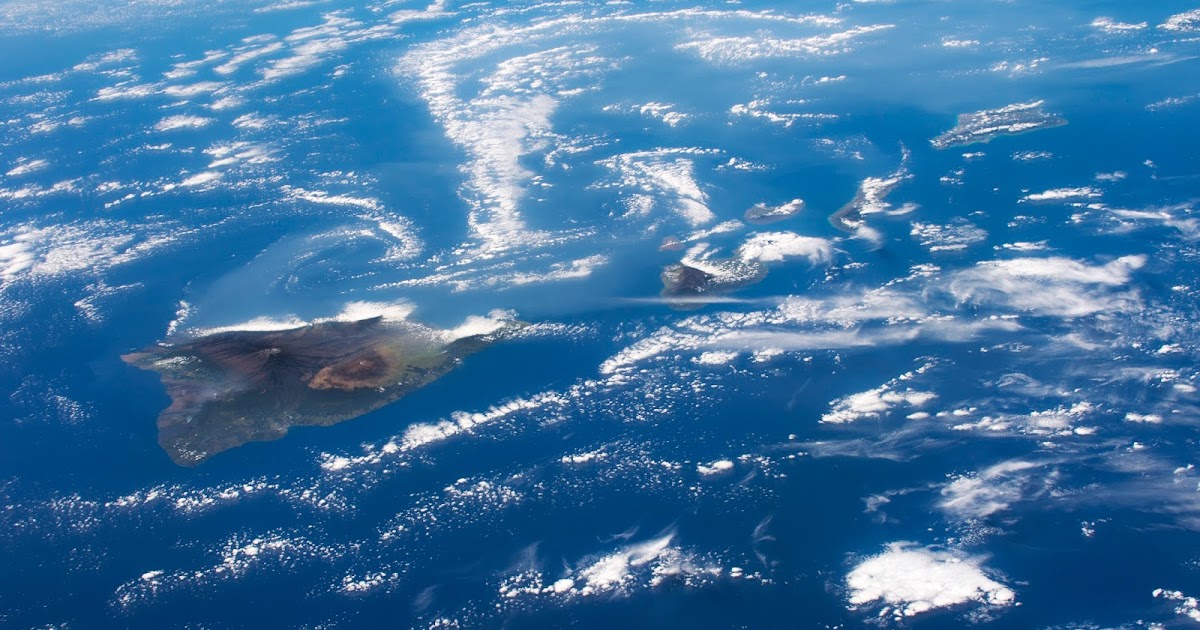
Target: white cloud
(31, 251)
(664, 175)
(665, 112)
(459, 423)
(422, 434)
(873, 192)
(171, 123)
(1031, 156)
(875, 403)
(714, 468)
(320, 196)
(477, 325)
(311, 45)
(1186, 22)
(779, 246)
(909, 580)
(990, 491)
(1177, 217)
(389, 311)
(1187, 606)
(717, 357)
(1064, 194)
(371, 582)
(950, 42)
(726, 227)
(776, 111)
(1114, 176)
(875, 318)
(1148, 418)
(396, 311)
(641, 565)
(241, 154)
(739, 49)
(763, 213)
(200, 179)
(26, 166)
(1060, 421)
(955, 236)
(498, 125)
(1115, 273)
(584, 458)
(1025, 246)
(246, 54)
(190, 90)
(612, 571)
(502, 275)
(1173, 101)
(872, 404)
(1050, 286)
(235, 558)
(1109, 25)
(257, 324)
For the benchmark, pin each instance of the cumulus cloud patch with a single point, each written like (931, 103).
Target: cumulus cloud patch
(1060, 421)
(779, 246)
(906, 580)
(667, 113)
(26, 166)
(1064, 194)
(235, 558)
(648, 564)
(171, 123)
(1186, 606)
(875, 403)
(1050, 286)
(955, 236)
(1186, 22)
(1109, 25)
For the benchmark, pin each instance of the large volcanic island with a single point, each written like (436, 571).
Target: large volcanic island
(231, 388)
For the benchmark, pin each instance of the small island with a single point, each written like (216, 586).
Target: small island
(871, 198)
(985, 125)
(231, 388)
(691, 283)
(763, 214)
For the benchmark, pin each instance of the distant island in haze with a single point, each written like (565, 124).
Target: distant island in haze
(230, 388)
(985, 125)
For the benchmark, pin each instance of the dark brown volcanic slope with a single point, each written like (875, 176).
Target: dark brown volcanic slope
(231, 388)
(685, 286)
